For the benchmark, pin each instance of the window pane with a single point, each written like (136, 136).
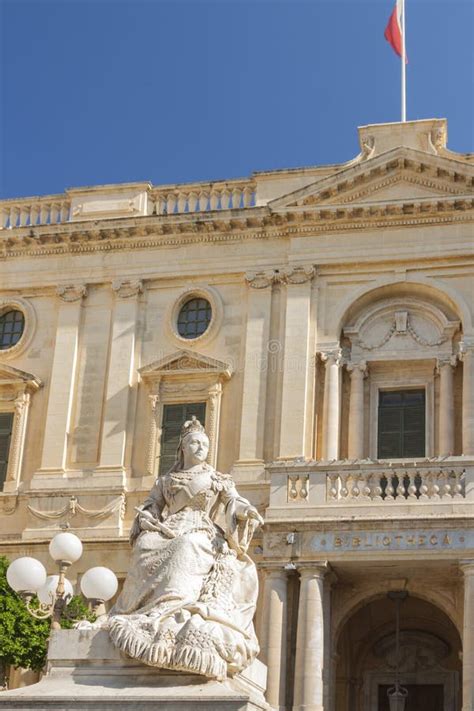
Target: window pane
(401, 424)
(194, 318)
(12, 324)
(6, 424)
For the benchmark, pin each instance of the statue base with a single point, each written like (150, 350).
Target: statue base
(85, 671)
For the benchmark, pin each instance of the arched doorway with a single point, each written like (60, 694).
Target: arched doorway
(429, 660)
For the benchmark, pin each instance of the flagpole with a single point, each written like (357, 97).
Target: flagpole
(404, 68)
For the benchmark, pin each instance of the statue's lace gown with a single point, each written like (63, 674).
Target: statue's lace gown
(190, 594)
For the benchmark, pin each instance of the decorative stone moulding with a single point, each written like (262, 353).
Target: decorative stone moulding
(198, 292)
(402, 326)
(71, 292)
(126, 288)
(284, 275)
(16, 303)
(109, 201)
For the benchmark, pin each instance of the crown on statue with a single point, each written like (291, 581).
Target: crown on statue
(190, 426)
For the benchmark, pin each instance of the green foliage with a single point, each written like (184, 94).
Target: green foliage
(23, 638)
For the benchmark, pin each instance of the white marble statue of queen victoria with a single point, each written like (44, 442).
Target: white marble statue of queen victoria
(189, 598)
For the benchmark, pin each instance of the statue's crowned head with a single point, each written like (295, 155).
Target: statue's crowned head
(193, 437)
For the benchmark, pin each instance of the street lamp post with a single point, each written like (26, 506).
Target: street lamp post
(27, 576)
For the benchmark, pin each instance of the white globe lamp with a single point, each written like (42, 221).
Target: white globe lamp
(47, 593)
(26, 575)
(99, 584)
(65, 547)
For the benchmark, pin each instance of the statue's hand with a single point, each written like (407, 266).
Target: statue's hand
(252, 513)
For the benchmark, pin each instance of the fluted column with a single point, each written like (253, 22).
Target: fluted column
(468, 637)
(274, 638)
(332, 404)
(446, 405)
(310, 639)
(356, 410)
(467, 356)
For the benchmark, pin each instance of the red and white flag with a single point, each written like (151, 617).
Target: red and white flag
(394, 30)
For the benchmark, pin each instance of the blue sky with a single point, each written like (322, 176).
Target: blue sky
(105, 91)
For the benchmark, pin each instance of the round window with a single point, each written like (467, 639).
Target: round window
(194, 318)
(12, 325)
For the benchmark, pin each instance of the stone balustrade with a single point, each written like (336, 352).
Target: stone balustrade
(426, 484)
(29, 212)
(368, 487)
(201, 197)
(130, 200)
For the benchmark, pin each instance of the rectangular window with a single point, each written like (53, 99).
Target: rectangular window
(401, 424)
(6, 426)
(173, 418)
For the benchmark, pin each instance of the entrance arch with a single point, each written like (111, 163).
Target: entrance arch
(430, 665)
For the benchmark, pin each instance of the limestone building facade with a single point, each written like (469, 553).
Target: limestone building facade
(320, 321)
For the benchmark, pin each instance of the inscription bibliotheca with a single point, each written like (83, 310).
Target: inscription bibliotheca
(434, 539)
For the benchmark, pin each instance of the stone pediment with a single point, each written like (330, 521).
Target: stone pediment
(10, 376)
(397, 175)
(185, 363)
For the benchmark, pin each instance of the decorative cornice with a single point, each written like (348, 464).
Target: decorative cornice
(252, 224)
(125, 288)
(71, 292)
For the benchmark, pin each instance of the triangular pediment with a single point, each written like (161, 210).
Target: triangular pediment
(185, 362)
(398, 175)
(15, 376)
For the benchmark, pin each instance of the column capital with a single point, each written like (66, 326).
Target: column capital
(331, 356)
(467, 567)
(274, 570)
(71, 292)
(262, 279)
(298, 274)
(313, 569)
(449, 360)
(359, 368)
(125, 288)
(466, 348)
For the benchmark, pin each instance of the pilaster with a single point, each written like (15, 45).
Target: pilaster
(63, 375)
(121, 374)
(467, 357)
(294, 430)
(467, 568)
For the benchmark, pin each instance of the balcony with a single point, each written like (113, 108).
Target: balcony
(367, 489)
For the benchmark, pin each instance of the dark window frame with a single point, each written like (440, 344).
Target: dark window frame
(7, 420)
(402, 420)
(12, 327)
(194, 317)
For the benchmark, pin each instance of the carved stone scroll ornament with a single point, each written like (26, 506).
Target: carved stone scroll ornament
(71, 292)
(190, 595)
(127, 288)
(298, 275)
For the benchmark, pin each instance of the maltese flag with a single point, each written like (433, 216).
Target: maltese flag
(394, 32)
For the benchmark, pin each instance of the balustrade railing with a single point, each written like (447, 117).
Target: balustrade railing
(168, 200)
(396, 486)
(34, 211)
(200, 197)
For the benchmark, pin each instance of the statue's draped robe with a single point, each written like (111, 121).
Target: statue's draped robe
(189, 598)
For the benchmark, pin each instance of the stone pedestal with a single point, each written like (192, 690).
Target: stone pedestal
(85, 671)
